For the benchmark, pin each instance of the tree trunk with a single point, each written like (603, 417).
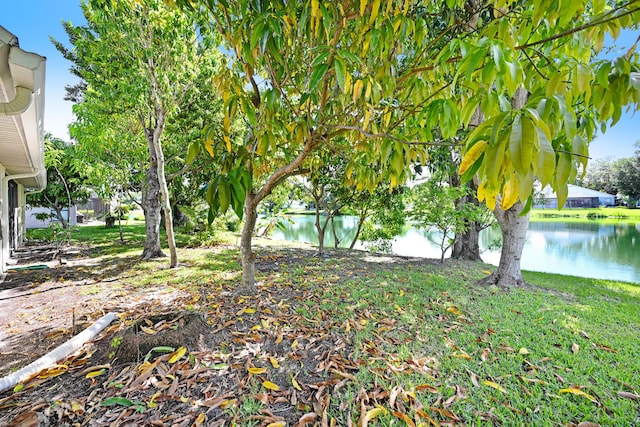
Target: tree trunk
(336, 239)
(358, 230)
(247, 256)
(60, 216)
(152, 248)
(320, 229)
(166, 202)
(514, 233)
(466, 245)
(513, 228)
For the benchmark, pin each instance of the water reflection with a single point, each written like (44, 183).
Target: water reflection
(587, 249)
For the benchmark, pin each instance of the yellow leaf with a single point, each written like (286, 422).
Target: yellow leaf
(18, 388)
(314, 8)
(471, 156)
(461, 355)
(486, 271)
(509, 193)
(277, 424)
(227, 140)
(523, 351)
(274, 362)
(375, 8)
(373, 413)
(249, 310)
(363, 7)
(578, 392)
(152, 404)
(209, 146)
(201, 419)
(270, 386)
(148, 330)
(294, 344)
(54, 371)
(495, 385)
(177, 355)
(295, 384)
(95, 373)
(454, 310)
(257, 371)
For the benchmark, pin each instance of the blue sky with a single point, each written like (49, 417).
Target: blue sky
(33, 21)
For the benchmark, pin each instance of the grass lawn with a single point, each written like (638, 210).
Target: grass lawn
(580, 214)
(357, 339)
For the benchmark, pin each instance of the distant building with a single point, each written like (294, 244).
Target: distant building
(579, 197)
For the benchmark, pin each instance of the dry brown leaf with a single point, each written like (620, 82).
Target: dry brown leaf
(627, 395)
(588, 424)
(307, 418)
(26, 419)
(575, 348)
(404, 417)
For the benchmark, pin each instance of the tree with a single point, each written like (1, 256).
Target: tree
(65, 180)
(600, 177)
(140, 62)
(627, 176)
(386, 78)
(436, 204)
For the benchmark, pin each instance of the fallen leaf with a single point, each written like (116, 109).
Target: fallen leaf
(404, 417)
(627, 395)
(177, 355)
(274, 362)
(26, 419)
(578, 392)
(277, 424)
(257, 371)
(95, 373)
(523, 351)
(494, 385)
(306, 419)
(296, 385)
(575, 348)
(588, 424)
(148, 330)
(454, 310)
(201, 419)
(373, 413)
(270, 386)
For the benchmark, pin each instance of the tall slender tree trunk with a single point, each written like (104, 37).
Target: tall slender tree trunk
(513, 227)
(514, 233)
(247, 256)
(152, 248)
(358, 230)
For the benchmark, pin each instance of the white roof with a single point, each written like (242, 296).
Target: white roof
(22, 77)
(576, 192)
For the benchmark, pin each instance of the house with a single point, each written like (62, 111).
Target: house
(579, 197)
(22, 169)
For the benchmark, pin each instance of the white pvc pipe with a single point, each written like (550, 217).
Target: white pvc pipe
(57, 354)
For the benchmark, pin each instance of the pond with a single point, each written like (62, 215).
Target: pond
(586, 249)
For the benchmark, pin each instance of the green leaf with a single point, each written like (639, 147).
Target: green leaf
(112, 401)
(224, 195)
(194, 150)
(546, 162)
(316, 75)
(338, 66)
